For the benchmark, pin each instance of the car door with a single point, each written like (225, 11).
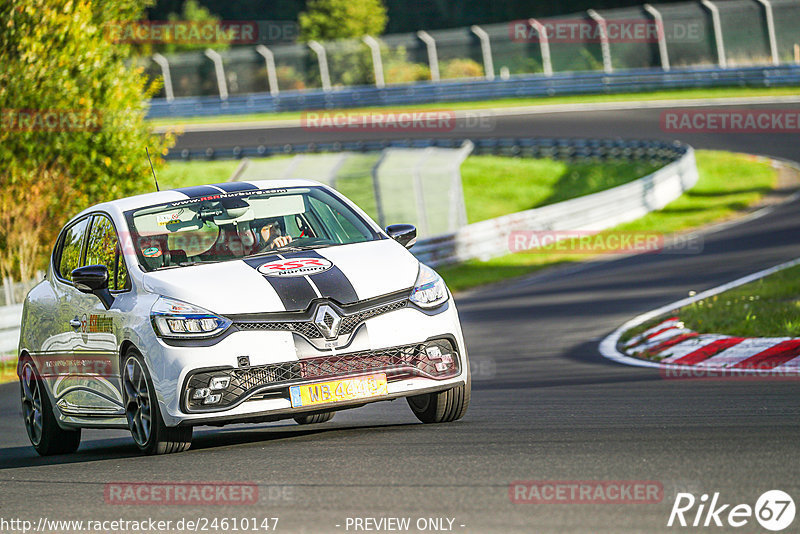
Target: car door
(57, 361)
(97, 351)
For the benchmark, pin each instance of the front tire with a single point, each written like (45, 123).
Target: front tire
(40, 421)
(147, 427)
(442, 407)
(314, 418)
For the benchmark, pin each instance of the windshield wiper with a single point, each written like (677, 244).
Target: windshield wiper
(294, 248)
(199, 262)
(289, 248)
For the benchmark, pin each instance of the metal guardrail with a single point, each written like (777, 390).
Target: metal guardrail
(532, 147)
(635, 80)
(606, 209)
(10, 318)
(14, 292)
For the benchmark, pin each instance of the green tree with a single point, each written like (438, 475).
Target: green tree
(328, 20)
(193, 12)
(72, 129)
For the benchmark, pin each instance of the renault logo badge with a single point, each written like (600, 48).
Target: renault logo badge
(328, 321)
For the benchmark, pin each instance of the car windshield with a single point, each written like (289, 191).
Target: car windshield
(240, 224)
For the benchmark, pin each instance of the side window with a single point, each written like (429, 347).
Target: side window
(343, 229)
(103, 248)
(71, 248)
(347, 226)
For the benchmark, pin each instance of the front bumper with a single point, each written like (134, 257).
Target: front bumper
(435, 359)
(394, 344)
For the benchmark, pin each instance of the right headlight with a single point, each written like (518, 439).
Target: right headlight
(173, 318)
(429, 289)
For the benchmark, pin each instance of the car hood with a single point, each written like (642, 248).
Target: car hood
(290, 281)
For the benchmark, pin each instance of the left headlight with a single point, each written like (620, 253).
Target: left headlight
(429, 290)
(173, 318)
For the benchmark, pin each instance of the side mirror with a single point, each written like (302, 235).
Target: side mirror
(405, 234)
(93, 279)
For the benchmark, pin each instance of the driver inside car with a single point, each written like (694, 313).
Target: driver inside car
(270, 237)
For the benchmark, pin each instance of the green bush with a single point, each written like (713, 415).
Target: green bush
(461, 68)
(72, 130)
(407, 72)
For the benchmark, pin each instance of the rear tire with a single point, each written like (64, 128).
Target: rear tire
(40, 421)
(442, 407)
(147, 427)
(314, 418)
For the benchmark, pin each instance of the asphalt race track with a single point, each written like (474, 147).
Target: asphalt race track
(545, 405)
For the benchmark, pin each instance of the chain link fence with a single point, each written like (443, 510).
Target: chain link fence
(419, 186)
(710, 32)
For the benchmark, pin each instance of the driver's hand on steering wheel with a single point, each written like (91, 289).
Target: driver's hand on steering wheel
(281, 241)
(271, 235)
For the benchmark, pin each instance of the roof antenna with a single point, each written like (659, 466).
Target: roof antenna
(152, 169)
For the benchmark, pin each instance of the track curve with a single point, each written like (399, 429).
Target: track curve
(546, 405)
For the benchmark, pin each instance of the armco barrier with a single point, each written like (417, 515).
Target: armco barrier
(487, 239)
(635, 80)
(532, 147)
(10, 318)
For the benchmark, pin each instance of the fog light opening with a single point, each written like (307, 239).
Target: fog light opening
(219, 382)
(201, 393)
(214, 398)
(433, 352)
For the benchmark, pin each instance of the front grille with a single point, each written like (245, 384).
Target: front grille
(396, 362)
(361, 362)
(248, 379)
(350, 322)
(308, 329)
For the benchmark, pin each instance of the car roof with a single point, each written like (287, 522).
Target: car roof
(183, 193)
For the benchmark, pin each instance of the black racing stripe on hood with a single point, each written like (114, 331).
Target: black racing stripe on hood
(233, 187)
(198, 191)
(295, 292)
(332, 283)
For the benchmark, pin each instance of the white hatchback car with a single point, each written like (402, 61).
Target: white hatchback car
(232, 303)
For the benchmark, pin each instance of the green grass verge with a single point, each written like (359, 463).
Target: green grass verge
(497, 185)
(769, 307)
(188, 173)
(718, 92)
(728, 184)
(8, 369)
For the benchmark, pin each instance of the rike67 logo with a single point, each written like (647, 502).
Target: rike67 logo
(774, 510)
(295, 267)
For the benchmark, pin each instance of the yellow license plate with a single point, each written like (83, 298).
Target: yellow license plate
(361, 387)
